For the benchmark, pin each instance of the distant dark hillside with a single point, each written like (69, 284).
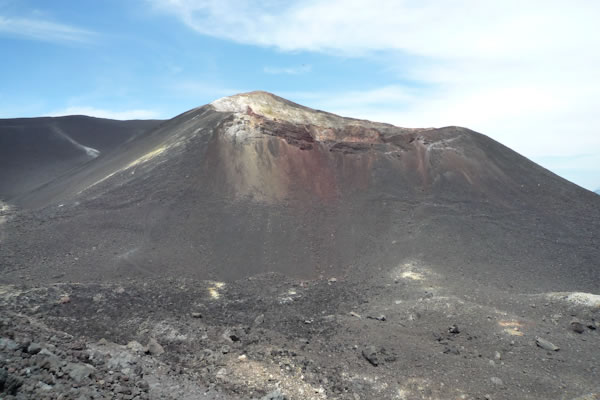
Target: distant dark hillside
(34, 151)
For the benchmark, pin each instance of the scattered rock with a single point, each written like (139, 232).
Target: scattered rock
(64, 299)
(8, 344)
(196, 315)
(143, 386)
(355, 314)
(11, 384)
(274, 395)
(577, 326)
(378, 318)
(34, 348)
(496, 381)
(97, 298)
(259, 320)
(546, 345)
(154, 348)
(453, 329)
(136, 347)
(370, 354)
(122, 389)
(79, 372)
(451, 350)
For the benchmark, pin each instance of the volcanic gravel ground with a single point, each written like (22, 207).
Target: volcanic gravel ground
(403, 337)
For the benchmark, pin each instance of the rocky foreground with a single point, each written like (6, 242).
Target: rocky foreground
(272, 338)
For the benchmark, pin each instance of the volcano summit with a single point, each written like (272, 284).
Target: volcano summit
(291, 231)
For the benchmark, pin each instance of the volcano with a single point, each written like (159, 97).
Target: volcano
(254, 183)
(257, 199)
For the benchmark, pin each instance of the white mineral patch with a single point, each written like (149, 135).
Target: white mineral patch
(581, 298)
(272, 107)
(415, 276)
(412, 270)
(214, 290)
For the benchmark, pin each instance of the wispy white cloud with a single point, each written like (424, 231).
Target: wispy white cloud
(102, 113)
(44, 30)
(454, 28)
(525, 73)
(303, 69)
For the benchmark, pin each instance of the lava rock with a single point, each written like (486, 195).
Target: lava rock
(577, 327)
(496, 381)
(259, 320)
(9, 383)
(3, 378)
(546, 345)
(453, 329)
(370, 354)
(79, 372)
(154, 348)
(8, 344)
(451, 350)
(34, 348)
(274, 395)
(136, 347)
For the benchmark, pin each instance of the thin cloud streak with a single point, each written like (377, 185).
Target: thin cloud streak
(304, 69)
(42, 30)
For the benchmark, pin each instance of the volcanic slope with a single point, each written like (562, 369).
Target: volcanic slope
(265, 250)
(254, 183)
(33, 151)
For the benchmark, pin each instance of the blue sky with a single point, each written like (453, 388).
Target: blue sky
(526, 74)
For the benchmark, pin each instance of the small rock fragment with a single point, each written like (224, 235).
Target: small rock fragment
(12, 384)
(496, 381)
(135, 347)
(78, 372)
(64, 299)
(451, 350)
(34, 348)
(154, 348)
(196, 315)
(370, 354)
(274, 395)
(453, 329)
(577, 326)
(546, 345)
(259, 320)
